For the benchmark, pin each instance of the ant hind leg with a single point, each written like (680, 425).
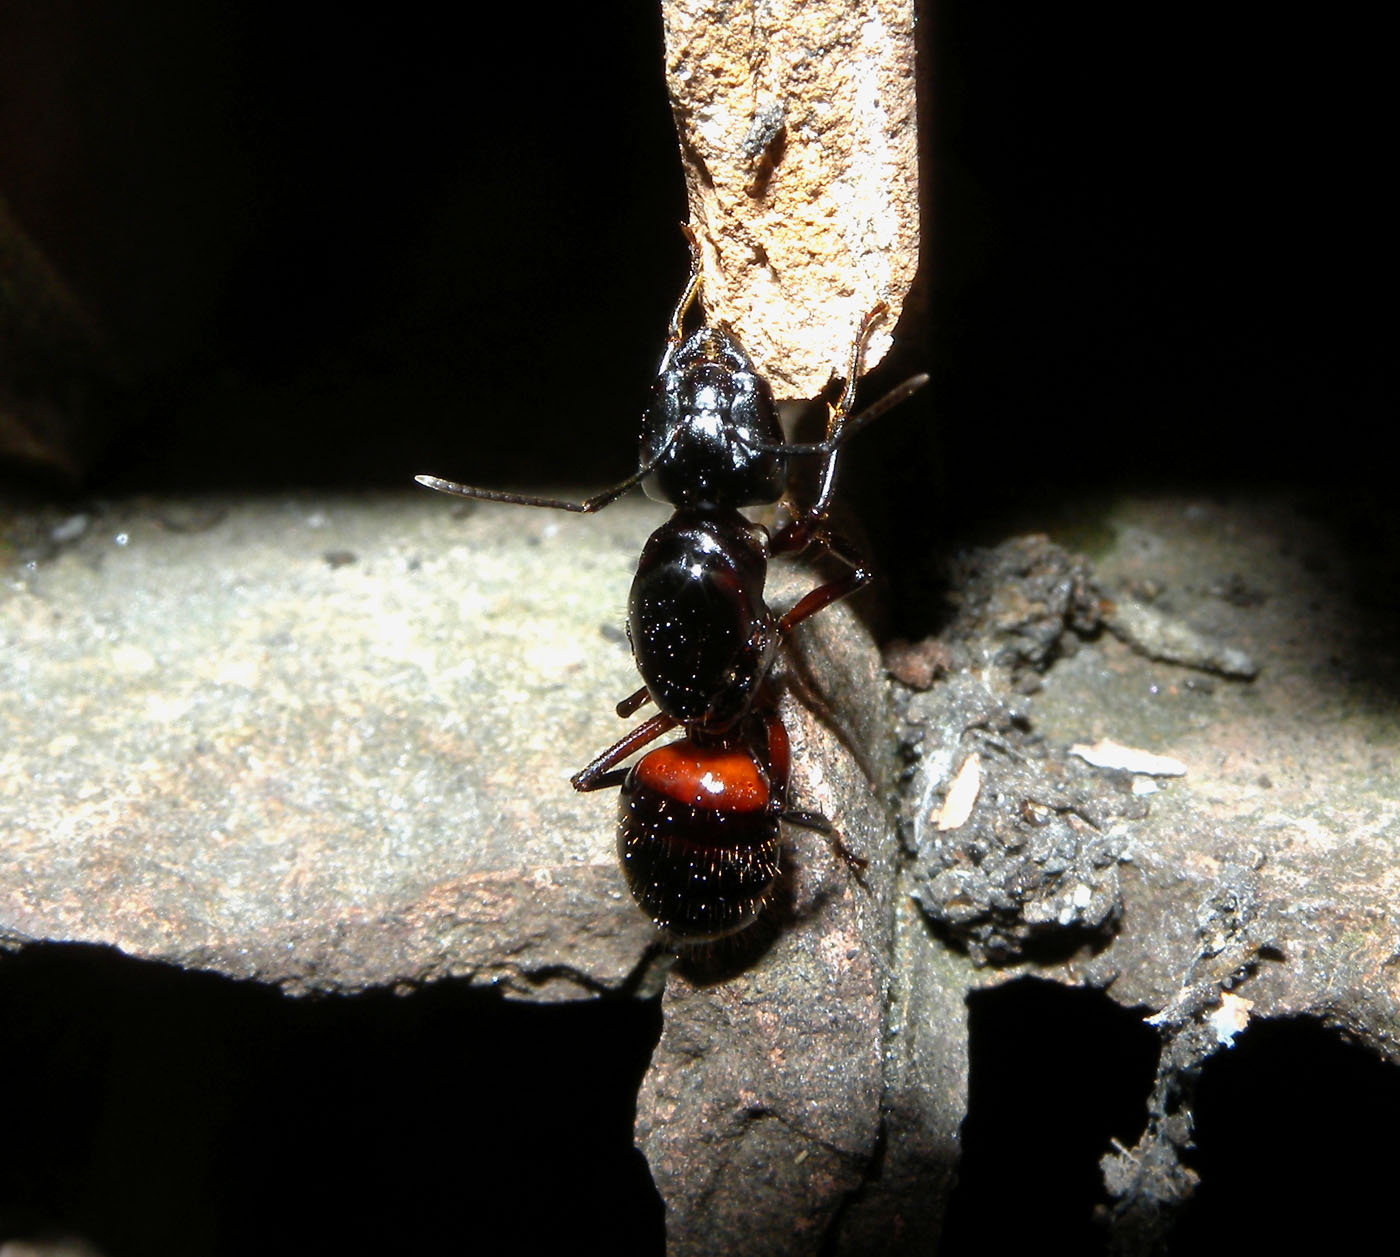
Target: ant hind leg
(818, 823)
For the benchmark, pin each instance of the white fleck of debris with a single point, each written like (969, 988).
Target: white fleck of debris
(962, 794)
(1144, 785)
(1078, 900)
(121, 539)
(1230, 1018)
(1106, 753)
(165, 709)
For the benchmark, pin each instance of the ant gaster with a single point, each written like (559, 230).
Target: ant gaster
(698, 828)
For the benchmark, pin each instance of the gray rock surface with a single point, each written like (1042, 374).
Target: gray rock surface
(316, 742)
(1264, 881)
(324, 743)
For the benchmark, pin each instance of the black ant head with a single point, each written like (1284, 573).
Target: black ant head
(711, 437)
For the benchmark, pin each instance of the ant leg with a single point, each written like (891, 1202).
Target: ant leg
(822, 597)
(777, 758)
(797, 535)
(776, 755)
(836, 420)
(687, 298)
(833, 591)
(818, 823)
(597, 775)
(850, 427)
(633, 702)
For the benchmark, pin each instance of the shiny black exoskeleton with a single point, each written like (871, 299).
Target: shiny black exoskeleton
(698, 826)
(703, 568)
(711, 437)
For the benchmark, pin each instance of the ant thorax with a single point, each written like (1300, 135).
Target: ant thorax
(702, 567)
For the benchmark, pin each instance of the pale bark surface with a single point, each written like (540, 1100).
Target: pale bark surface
(798, 138)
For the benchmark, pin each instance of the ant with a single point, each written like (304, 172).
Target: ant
(698, 828)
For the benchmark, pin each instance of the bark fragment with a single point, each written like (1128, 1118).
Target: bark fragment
(798, 136)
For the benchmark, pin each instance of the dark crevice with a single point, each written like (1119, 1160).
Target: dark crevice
(1055, 1074)
(1291, 1126)
(1295, 1140)
(157, 1112)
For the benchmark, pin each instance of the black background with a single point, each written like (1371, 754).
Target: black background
(339, 245)
(336, 245)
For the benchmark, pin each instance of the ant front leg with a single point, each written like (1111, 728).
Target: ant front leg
(807, 524)
(687, 299)
(840, 427)
(836, 420)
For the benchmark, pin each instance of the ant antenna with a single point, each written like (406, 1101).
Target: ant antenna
(839, 428)
(586, 507)
(889, 401)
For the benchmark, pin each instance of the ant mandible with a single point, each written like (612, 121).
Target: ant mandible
(698, 828)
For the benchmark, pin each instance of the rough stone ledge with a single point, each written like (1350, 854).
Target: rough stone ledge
(318, 742)
(324, 743)
(1248, 869)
